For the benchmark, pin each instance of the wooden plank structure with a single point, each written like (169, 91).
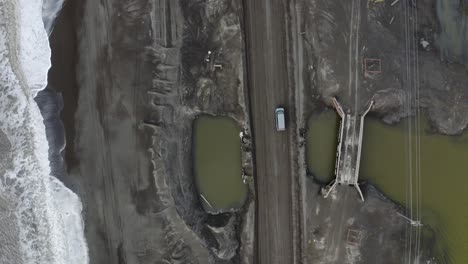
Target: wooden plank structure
(349, 149)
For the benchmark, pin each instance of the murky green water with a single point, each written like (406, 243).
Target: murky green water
(217, 163)
(385, 162)
(322, 140)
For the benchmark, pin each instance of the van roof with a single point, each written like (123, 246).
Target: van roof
(280, 121)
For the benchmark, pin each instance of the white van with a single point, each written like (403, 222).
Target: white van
(280, 119)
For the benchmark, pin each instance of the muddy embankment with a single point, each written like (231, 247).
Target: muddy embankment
(412, 74)
(133, 76)
(421, 52)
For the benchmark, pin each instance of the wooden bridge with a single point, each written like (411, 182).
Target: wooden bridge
(348, 155)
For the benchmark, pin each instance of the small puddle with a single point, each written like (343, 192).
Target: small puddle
(217, 163)
(385, 163)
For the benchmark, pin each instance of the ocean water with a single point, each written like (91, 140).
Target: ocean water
(50, 104)
(40, 219)
(50, 11)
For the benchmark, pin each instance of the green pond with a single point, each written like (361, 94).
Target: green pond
(217, 163)
(322, 140)
(388, 162)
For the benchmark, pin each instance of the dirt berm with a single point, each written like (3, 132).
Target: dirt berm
(134, 75)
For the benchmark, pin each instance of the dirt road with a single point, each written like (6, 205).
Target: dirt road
(267, 73)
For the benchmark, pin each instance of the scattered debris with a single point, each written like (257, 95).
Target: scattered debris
(415, 223)
(208, 56)
(246, 178)
(394, 2)
(425, 44)
(354, 237)
(217, 66)
(206, 201)
(372, 67)
(225, 236)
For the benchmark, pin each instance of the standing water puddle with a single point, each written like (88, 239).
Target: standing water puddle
(385, 163)
(217, 163)
(322, 141)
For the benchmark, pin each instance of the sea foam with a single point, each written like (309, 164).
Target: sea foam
(45, 216)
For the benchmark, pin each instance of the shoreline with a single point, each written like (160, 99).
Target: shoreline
(43, 215)
(113, 126)
(62, 75)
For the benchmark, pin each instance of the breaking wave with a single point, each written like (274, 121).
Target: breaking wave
(40, 219)
(50, 11)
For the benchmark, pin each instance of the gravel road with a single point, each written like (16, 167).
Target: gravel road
(268, 84)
